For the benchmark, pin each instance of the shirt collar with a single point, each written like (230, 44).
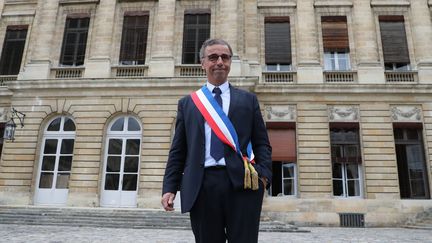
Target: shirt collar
(223, 87)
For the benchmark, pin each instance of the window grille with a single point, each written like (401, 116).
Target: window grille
(196, 31)
(74, 41)
(13, 49)
(351, 220)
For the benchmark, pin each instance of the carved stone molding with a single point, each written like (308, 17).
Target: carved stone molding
(280, 113)
(343, 113)
(406, 114)
(4, 114)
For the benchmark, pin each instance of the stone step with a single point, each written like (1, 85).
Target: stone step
(118, 218)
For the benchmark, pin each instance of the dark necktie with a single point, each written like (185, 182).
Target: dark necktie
(216, 145)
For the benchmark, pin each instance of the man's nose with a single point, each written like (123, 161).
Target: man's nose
(219, 60)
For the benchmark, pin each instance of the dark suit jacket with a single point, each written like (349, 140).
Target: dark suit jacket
(185, 166)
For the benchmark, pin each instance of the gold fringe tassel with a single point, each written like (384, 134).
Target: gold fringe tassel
(254, 177)
(247, 176)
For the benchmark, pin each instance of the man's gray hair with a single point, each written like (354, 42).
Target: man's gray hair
(211, 42)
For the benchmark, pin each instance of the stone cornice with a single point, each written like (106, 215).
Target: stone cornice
(275, 4)
(117, 83)
(64, 2)
(345, 88)
(390, 3)
(333, 3)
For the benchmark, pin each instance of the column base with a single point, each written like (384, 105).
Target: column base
(36, 70)
(310, 74)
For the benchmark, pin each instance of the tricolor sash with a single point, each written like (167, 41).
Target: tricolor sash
(224, 130)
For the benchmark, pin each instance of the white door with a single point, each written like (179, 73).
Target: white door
(55, 163)
(122, 162)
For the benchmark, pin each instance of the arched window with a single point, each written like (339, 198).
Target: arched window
(121, 163)
(55, 162)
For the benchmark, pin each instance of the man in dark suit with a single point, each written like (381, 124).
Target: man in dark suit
(209, 174)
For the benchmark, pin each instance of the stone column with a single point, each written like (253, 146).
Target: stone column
(421, 29)
(369, 67)
(45, 24)
(162, 52)
(252, 39)
(309, 69)
(229, 30)
(99, 61)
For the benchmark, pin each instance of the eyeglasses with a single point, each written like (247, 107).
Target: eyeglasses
(215, 57)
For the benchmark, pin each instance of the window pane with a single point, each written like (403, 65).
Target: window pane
(65, 163)
(336, 152)
(62, 181)
(289, 187)
(67, 146)
(115, 146)
(113, 164)
(351, 151)
(69, 125)
(132, 146)
(352, 171)
(46, 180)
(412, 134)
(398, 133)
(337, 170)
(337, 188)
(133, 125)
(54, 125)
(48, 163)
(50, 146)
(118, 125)
(418, 188)
(131, 164)
(130, 182)
(111, 181)
(288, 171)
(353, 188)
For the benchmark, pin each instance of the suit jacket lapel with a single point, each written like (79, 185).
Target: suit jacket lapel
(233, 101)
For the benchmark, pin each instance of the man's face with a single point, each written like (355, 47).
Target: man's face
(217, 63)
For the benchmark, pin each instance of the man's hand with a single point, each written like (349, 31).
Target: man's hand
(168, 201)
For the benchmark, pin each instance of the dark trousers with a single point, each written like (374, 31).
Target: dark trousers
(221, 213)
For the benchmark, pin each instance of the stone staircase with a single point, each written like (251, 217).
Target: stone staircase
(421, 221)
(113, 218)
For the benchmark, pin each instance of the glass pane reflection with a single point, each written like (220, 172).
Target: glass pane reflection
(46, 180)
(67, 146)
(133, 125)
(112, 181)
(54, 125)
(69, 125)
(131, 164)
(62, 181)
(115, 146)
(50, 146)
(130, 182)
(118, 125)
(48, 163)
(132, 146)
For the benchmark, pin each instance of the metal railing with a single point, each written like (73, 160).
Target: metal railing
(278, 77)
(190, 70)
(67, 72)
(339, 76)
(130, 71)
(401, 77)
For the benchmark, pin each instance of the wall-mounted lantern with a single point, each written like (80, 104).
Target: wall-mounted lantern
(10, 126)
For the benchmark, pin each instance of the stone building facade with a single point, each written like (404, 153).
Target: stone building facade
(345, 88)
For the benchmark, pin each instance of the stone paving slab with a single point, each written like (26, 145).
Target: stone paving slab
(60, 234)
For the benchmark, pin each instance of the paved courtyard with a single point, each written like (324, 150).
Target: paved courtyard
(61, 234)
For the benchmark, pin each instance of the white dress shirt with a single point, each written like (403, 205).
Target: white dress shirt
(209, 161)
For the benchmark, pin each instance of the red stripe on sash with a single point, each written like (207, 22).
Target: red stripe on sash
(210, 120)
